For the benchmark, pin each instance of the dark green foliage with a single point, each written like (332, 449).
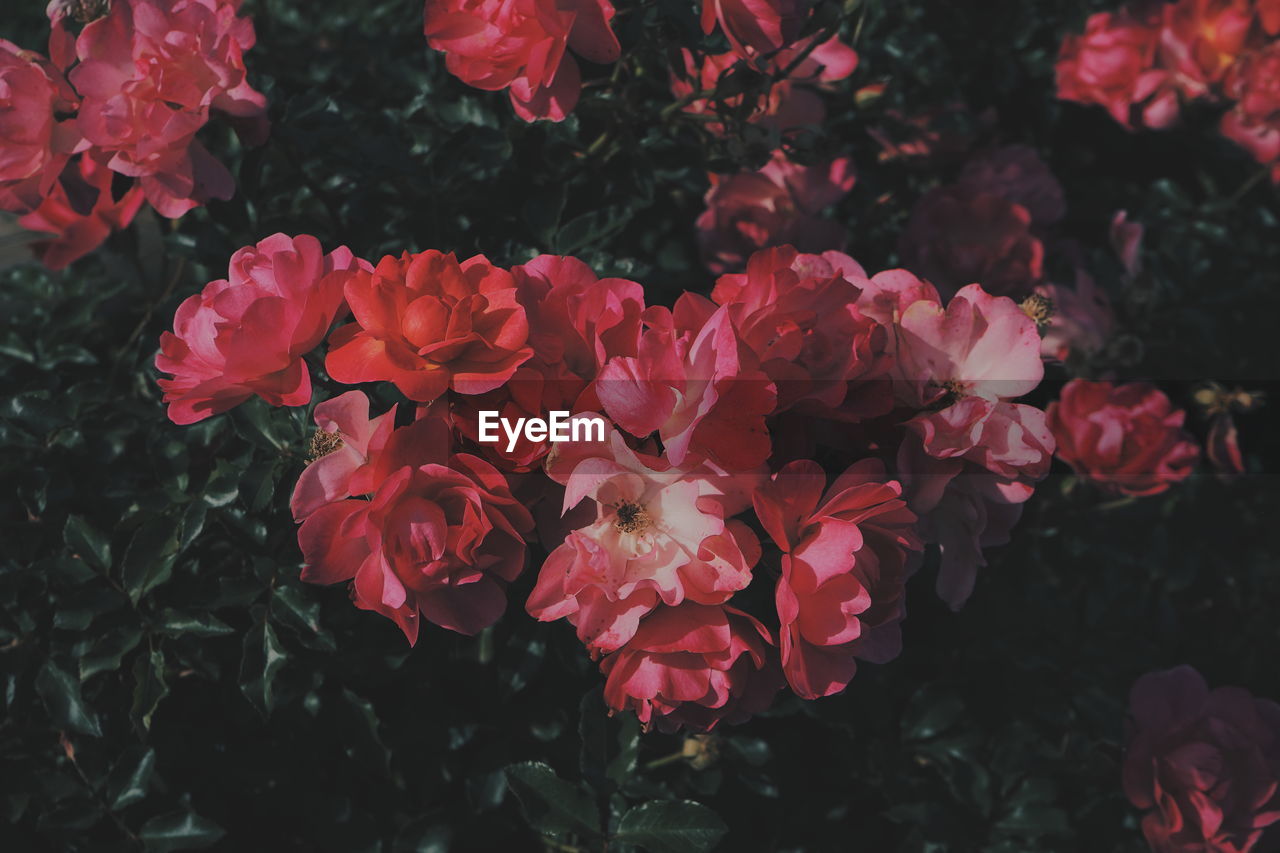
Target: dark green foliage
(169, 684)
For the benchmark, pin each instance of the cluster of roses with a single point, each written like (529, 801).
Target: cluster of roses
(525, 49)
(528, 47)
(711, 408)
(1147, 59)
(1205, 764)
(782, 201)
(110, 119)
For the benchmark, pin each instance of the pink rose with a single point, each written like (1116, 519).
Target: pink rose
(961, 368)
(661, 535)
(844, 567)
(346, 447)
(523, 47)
(696, 385)
(150, 73)
(245, 335)
(961, 235)
(1127, 439)
(1113, 64)
(80, 212)
(694, 665)
(439, 535)
(778, 204)
(34, 142)
(1204, 764)
(799, 314)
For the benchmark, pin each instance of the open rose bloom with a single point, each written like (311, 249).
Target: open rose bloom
(526, 47)
(1127, 439)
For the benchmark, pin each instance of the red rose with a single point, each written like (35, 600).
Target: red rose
(696, 385)
(576, 322)
(1254, 123)
(80, 212)
(799, 314)
(1206, 763)
(844, 567)
(246, 335)
(522, 46)
(440, 535)
(776, 205)
(34, 144)
(428, 324)
(1113, 64)
(1127, 439)
(959, 235)
(1201, 39)
(149, 74)
(693, 665)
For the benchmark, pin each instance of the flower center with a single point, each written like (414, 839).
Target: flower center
(322, 444)
(632, 518)
(1038, 308)
(86, 11)
(952, 390)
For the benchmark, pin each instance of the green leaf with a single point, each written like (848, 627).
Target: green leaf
(552, 805)
(671, 826)
(296, 607)
(149, 687)
(87, 542)
(107, 650)
(176, 623)
(262, 659)
(130, 777)
(179, 831)
(223, 485)
(148, 561)
(60, 691)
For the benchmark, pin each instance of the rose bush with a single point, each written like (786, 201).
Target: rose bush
(866, 578)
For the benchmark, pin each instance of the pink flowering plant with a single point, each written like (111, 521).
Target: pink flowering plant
(639, 427)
